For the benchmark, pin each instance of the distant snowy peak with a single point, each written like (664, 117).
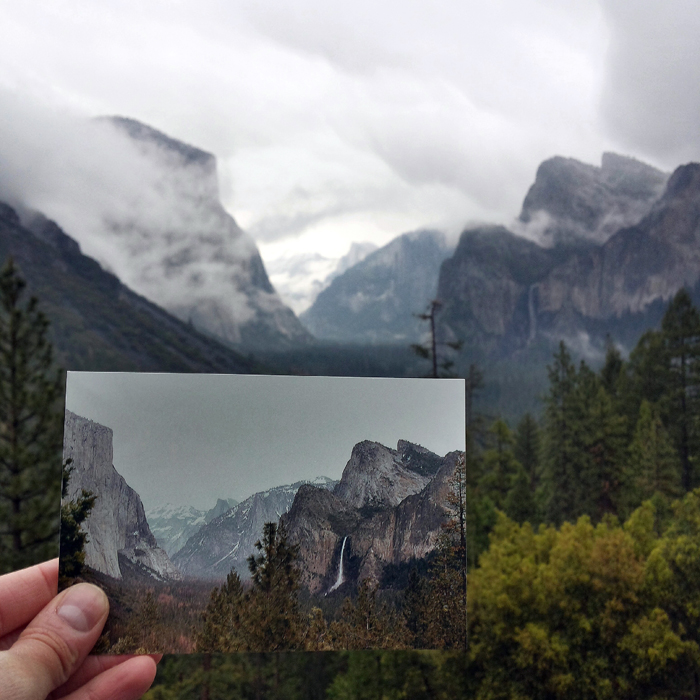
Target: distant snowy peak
(173, 525)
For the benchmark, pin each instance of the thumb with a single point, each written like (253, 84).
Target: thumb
(53, 646)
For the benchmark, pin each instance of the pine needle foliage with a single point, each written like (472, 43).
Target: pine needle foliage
(73, 538)
(31, 422)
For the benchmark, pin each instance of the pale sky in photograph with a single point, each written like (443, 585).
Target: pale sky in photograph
(189, 439)
(339, 122)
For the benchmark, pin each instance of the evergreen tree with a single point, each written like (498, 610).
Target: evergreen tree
(500, 465)
(680, 330)
(585, 441)
(73, 539)
(653, 463)
(31, 421)
(558, 488)
(520, 504)
(528, 448)
(272, 619)
(612, 370)
(603, 436)
(222, 629)
(367, 624)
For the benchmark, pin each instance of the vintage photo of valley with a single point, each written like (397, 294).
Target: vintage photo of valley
(236, 513)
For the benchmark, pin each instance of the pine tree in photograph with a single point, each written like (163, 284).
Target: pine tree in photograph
(222, 630)
(73, 538)
(31, 421)
(272, 620)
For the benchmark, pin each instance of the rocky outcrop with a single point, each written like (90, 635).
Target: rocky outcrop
(501, 291)
(387, 509)
(570, 200)
(375, 301)
(376, 477)
(227, 541)
(179, 247)
(116, 527)
(638, 264)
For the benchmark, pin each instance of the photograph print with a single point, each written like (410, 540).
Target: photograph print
(235, 513)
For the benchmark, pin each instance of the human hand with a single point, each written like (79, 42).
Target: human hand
(45, 640)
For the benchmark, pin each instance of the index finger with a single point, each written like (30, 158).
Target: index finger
(24, 593)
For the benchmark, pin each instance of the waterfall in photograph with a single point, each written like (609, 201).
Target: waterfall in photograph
(339, 580)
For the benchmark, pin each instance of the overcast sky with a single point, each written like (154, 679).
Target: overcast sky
(189, 439)
(337, 122)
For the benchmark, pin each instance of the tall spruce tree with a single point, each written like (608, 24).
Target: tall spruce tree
(680, 329)
(73, 538)
(654, 466)
(272, 618)
(528, 449)
(560, 451)
(500, 465)
(31, 421)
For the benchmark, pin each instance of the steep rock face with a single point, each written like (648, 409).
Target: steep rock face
(407, 531)
(228, 540)
(380, 520)
(223, 505)
(502, 291)
(638, 264)
(183, 251)
(117, 525)
(375, 300)
(97, 323)
(570, 200)
(315, 521)
(376, 477)
(485, 285)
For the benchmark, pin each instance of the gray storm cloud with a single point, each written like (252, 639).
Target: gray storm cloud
(651, 100)
(338, 122)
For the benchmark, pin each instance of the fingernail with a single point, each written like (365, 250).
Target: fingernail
(83, 607)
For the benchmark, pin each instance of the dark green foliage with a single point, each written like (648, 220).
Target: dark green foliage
(680, 330)
(273, 620)
(31, 420)
(585, 440)
(527, 449)
(222, 628)
(653, 463)
(72, 538)
(499, 464)
(264, 618)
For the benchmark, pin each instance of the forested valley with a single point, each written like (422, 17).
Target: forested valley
(582, 530)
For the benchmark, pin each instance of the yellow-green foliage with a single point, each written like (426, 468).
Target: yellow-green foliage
(603, 611)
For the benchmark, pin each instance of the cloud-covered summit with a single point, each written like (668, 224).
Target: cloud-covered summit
(147, 207)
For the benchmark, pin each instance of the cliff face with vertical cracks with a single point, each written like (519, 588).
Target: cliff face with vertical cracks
(119, 538)
(389, 504)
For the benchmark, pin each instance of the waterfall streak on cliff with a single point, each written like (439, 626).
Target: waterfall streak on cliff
(531, 313)
(339, 580)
